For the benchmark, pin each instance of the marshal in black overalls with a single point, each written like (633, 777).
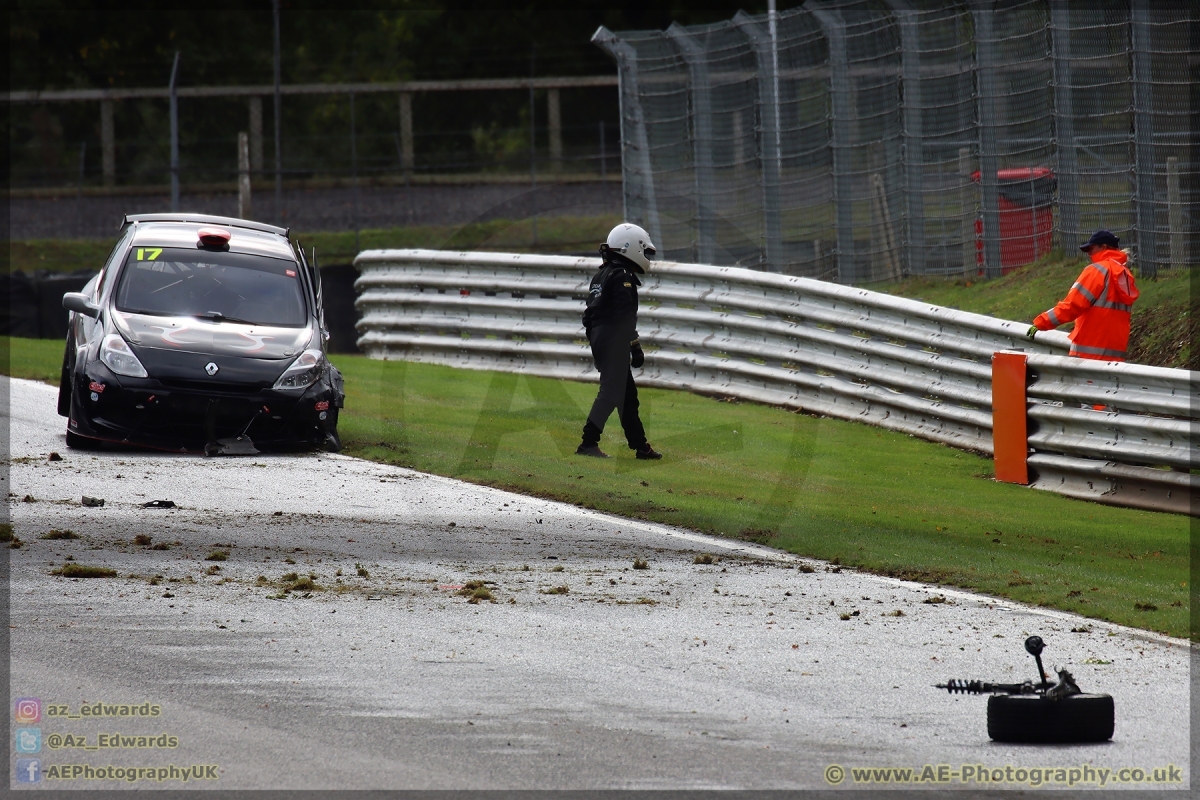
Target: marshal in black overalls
(611, 324)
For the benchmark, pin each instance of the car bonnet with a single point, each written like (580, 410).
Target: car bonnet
(192, 335)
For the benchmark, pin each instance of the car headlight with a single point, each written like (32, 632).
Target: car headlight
(117, 356)
(303, 372)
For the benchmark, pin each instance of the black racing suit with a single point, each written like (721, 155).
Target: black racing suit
(611, 324)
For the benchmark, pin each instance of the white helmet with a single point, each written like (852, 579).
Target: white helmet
(632, 242)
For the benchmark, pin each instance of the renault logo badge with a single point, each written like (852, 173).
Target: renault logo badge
(211, 368)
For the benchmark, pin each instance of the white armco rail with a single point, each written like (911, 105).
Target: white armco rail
(799, 343)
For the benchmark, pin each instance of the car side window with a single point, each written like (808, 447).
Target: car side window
(111, 263)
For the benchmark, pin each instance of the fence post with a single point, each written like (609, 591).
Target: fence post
(841, 124)
(1064, 128)
(243, 161)
(985, 74)
(406, 133)
(769, 141)
(1010, 439)
(966, 202)
(256, 134)
(702, 141)
(174, 136)
(1143, 134)
(108, 144)
(636, 169)
(554, 120)
(1175, 213)
(914, 160)
(354, 171)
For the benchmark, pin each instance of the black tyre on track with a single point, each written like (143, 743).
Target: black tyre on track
(64, 384)
(1036, 719)
(77, 442)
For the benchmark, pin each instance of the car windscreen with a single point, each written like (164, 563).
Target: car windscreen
(223, 286)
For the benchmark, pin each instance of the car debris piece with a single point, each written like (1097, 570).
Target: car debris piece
(93, 502)
(1042, 712)
(54, 457)
(159, 504)
(234, 446)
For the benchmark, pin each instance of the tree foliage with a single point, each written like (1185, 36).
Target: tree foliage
(54, 45)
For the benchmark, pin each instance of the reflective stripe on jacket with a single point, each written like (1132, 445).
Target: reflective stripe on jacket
(1099, 302)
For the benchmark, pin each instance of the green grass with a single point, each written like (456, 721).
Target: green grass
(865, 497)
(554, 235)
(1161, 324)
(34, 359)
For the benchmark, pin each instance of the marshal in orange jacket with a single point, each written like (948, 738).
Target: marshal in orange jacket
(1099, 302)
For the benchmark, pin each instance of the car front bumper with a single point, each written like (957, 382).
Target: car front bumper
(183, 416)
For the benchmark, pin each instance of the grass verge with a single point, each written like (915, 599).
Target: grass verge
(852, 494)
(863, 497)
(33, 359)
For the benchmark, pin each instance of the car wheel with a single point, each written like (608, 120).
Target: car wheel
(1034, 718)
(64, 384)
(77, 442)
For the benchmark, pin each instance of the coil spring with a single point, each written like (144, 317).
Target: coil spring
(955, 686)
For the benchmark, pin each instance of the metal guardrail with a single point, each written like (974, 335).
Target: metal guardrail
(796, 342)
(1137, 451)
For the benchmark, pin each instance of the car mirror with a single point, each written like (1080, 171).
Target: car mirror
(80, 304)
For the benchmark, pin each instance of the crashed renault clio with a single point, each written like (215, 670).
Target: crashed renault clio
(201, 334)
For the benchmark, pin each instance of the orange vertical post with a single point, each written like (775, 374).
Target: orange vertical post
(1010, 445)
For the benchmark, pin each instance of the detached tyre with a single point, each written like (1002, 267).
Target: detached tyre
(1035, 719)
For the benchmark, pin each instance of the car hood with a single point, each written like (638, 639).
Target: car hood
(191, 335)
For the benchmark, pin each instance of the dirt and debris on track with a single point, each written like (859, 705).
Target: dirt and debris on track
(370, 627)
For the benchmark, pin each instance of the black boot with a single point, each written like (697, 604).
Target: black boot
(591, 441)
(648, 453)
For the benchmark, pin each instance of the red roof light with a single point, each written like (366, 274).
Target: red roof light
(214, 236)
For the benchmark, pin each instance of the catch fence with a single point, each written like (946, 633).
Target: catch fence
(860, 141)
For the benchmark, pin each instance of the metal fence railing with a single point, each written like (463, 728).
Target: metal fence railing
(795, 342)
(858, 141)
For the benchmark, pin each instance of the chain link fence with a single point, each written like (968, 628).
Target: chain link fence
(858, 140)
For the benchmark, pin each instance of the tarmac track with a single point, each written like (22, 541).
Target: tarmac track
(736, 674)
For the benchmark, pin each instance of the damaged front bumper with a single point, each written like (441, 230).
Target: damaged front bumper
(211, 418)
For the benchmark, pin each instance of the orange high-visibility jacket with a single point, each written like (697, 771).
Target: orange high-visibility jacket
(1099, 302)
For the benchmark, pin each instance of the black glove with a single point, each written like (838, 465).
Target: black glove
(1033, 330)
(636, 356)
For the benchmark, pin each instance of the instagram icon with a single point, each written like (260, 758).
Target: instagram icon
(28, 709)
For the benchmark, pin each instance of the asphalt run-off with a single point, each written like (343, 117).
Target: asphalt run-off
(740, 673)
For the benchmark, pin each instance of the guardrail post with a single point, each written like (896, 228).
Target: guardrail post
(1010, 443)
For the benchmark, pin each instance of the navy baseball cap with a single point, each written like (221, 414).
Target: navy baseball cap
(1106, 238)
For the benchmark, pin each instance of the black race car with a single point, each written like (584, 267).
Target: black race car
(204, 334)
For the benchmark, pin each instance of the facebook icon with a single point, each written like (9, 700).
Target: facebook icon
(29, 770)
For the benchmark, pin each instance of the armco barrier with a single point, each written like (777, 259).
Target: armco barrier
(788, 341)
(1118, 433)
